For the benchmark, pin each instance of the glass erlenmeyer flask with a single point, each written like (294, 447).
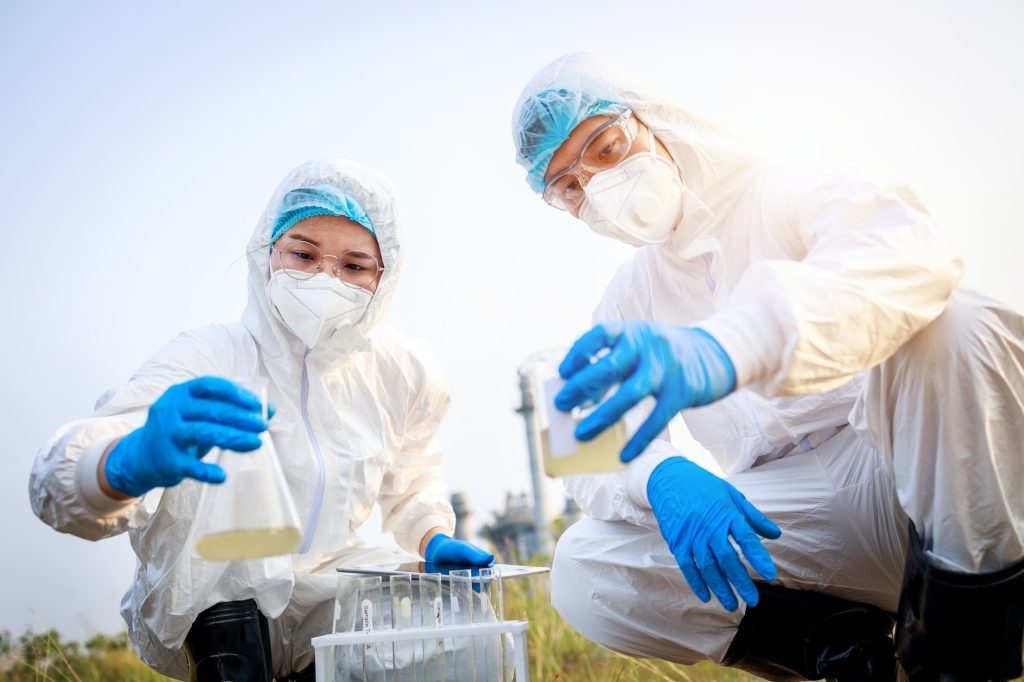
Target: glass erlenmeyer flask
(251, 514)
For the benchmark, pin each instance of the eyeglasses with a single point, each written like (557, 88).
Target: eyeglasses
(301, 260)
(605, 147)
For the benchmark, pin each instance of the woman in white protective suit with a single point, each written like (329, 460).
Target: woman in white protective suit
(869, 408)
(357, 414)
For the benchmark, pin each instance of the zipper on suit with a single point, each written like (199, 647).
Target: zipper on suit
(318, 499)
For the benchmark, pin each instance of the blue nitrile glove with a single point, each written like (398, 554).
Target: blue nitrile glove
(697, 512)
(680, 366)
(182, 426)
(445, 550)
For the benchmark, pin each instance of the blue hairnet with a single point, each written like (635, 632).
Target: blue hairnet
(546, 121)
(305, 202)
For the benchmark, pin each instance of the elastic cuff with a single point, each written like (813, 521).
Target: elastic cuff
(640, 470)
(748, 336)
(88, 482)
(421, 527)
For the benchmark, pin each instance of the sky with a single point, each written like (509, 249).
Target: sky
(139, 143)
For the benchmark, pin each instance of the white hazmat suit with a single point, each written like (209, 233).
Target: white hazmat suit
(873, 389)
(356, 424)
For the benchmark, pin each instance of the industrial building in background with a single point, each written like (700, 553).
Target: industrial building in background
(523, 529)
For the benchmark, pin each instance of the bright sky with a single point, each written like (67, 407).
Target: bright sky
(140, 142)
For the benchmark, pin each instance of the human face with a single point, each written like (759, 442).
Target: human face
(570, 150)
(603, 149)
(333, 236)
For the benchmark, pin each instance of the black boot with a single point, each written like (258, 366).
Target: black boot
(959, 627)
(229, 641)
(803, 635)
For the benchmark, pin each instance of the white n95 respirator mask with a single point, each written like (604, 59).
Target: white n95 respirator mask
(315, 308)
(639, 201)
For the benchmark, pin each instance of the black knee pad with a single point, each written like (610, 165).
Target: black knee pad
(803, 635)
(229, 641)
(959, 626)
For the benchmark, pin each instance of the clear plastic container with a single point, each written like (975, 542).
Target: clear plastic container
(562, 454)
(251, 514)
(457, 631)
(432, 650)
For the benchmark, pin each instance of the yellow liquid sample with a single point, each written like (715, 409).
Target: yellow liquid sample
(594, 456)
(248, 544)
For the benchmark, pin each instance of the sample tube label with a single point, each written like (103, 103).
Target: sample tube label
(367, 611)
(439, 621)
(438, 614)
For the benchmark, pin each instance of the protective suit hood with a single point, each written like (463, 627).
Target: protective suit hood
(377, 197)
(712, 163)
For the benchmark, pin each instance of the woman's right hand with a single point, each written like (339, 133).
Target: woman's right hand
(182, 426)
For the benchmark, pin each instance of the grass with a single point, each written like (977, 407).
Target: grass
(46, 658)
(556, 653)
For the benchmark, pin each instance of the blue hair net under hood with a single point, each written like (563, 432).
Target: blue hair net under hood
(547, 120)
(305, 202)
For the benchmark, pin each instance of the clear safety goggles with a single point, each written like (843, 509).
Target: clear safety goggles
(605, 147)
(301, 260)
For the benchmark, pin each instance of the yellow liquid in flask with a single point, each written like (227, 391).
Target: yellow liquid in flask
(248, 544)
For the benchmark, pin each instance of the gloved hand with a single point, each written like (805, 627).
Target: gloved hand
(697, 512)
(680, 366)
(445, 550)
(182, 426)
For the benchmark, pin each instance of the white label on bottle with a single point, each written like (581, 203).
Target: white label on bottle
(367, 610)
(561, 425)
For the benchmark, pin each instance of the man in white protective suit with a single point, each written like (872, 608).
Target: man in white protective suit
(865, 412)
(358, 409)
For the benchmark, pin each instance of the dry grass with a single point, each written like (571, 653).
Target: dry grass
(45, 658)
(556, 653)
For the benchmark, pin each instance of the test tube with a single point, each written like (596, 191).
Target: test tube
(403, 654)
(493, 603)
(460, 584)
(346, 607)
(370, 621)
(491, 585)
(432, 616)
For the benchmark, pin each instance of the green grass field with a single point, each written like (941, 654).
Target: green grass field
(556, 653)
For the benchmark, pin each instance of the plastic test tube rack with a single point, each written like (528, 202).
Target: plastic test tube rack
(361, 636)
(516, 628)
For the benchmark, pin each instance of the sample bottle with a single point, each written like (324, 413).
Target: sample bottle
(562, 454)
(251, 514)
(566, 456)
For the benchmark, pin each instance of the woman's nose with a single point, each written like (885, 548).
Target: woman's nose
(333, 270)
